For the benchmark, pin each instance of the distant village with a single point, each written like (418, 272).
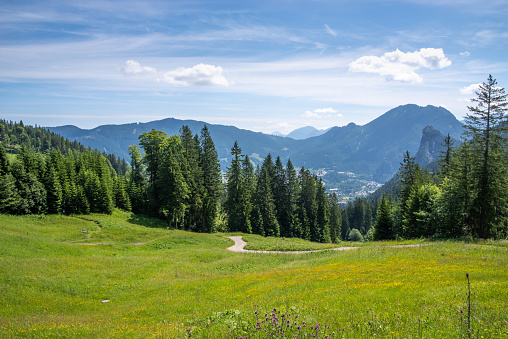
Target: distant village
(350, 188)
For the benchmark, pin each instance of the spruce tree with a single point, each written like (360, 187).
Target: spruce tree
(383, 225)
(193, 175)
(264, 201)
(234, 205)
(212, 180)
(291, 201)
(151, 143)
(484, 127)
(322, 217)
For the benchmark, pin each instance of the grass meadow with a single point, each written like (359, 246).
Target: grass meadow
(131, 277)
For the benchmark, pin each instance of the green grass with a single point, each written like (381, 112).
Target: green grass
(51, 286)
(259, 243)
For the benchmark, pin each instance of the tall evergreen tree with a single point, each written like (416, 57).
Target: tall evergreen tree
(280, 196)
(212, 179)
(193, 175)
(322, 217)
(137, 183)
(235, 199)
(291, 201)
(484, 126)
(309, 204)
(171, 181)
(54, 191)
(151, 143)
(334, 217)
(383, 225)
(265, 206)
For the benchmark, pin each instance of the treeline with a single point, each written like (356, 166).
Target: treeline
(279, 201)
(178, 178)
(75, 183)
(41, 172)
(468, 196)
(41, 140)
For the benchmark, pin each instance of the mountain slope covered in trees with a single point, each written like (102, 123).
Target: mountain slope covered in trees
(373, 150)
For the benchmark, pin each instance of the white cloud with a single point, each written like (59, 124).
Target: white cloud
(330, 31)
(401, 66)
(201, 75)
(321, 113)
(469, 90)
(134, 68)
(466, 53)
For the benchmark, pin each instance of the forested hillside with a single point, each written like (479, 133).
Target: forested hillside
(372, 150)
(41, 172)
(178, 179)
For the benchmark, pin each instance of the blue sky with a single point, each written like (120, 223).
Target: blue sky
(259, 65)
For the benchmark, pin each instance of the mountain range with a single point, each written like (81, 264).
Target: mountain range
(373, 150)
(303, 133)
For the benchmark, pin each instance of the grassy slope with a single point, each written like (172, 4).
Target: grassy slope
(53, 287)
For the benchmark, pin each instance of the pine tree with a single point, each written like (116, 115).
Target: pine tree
(137, 183)
(309, 204)
(54, 192)
(212, 180)
(151, 143)
(322, 218)
(445, 158)
(334, 218)
(383, 225)
(171, 182)
(264, 201)
(234, 205)
(193, 176)
(291, 201)
(4, 162)
(484, 126)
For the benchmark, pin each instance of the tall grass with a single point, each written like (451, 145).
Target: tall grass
(178, 284)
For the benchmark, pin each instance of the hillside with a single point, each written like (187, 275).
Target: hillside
(373, 150)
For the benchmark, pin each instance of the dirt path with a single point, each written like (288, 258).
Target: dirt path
(116, 244)
(240, 244)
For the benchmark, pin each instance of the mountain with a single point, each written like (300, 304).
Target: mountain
(117, 138)
(306, 132)
(427, 156)
(431, 146)
(373, 150)
(278, 134)
(377, 147)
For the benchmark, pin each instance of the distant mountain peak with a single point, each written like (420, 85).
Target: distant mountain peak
(306, 132)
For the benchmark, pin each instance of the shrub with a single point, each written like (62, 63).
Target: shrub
(355, 235)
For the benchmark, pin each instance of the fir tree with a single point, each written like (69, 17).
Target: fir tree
(212, 178)
(384, 224)
(484, 126)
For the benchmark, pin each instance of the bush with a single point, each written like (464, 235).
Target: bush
(355, 235)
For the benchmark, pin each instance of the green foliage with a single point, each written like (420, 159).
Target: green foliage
(70, 180)
(383, 226)
(355, 235)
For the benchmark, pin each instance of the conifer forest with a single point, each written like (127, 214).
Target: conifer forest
(178, 179)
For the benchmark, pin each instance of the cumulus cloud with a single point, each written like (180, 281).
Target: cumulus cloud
(401, 66)
(469, 90)
(199, 75)
(134, 68)
(321, 113)
(466, 54)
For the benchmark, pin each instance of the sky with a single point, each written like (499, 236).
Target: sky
(260, 65)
